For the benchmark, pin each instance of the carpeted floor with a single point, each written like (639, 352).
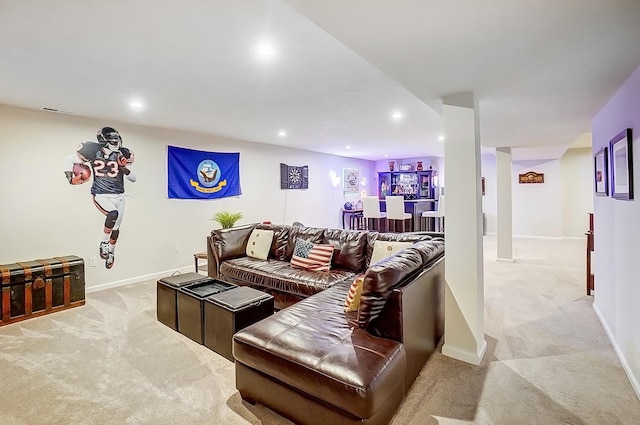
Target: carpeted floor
(110, 362)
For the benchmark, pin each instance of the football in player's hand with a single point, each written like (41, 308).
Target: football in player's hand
(81, 173)
(122, 160)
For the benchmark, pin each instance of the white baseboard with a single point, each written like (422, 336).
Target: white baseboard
(625, 365)
(579, 238)
(505, 260)
(464, 355)
(537, 237)
(137, 279)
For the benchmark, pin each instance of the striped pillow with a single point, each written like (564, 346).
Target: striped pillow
(353, 297)
(309, 256)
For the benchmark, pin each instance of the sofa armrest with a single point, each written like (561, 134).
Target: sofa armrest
(224, 244)
(414, 315)
(212, 262)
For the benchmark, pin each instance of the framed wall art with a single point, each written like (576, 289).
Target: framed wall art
(601, 172)
(351, 179)
(621, 165)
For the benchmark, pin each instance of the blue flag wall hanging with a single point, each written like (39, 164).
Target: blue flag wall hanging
(202, 175)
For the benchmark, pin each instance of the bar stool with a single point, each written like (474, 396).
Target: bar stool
(395, 213)
(425, 220)
(356, 221)
(373, 218)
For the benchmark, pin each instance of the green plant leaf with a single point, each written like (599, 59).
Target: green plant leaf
(227, 219)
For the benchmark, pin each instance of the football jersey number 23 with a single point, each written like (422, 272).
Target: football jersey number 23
(105, 169)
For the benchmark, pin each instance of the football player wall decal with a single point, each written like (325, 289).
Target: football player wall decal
(109, 163)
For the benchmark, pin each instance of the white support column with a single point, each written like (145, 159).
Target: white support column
(464, 270)
(505, 217)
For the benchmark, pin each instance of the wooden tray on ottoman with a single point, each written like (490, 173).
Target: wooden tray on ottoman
(228, 312)
(34, 288)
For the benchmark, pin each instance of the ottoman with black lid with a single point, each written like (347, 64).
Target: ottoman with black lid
(228, 312)
(191, 306)
(167, 293)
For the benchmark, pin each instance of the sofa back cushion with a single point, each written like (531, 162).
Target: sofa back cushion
(381, 278)
(372, 237)
(311, 234)
(349, 247)
(231, 243)
(280, 238)
(430, 250)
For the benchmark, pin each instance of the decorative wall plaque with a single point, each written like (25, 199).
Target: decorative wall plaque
(531, 177)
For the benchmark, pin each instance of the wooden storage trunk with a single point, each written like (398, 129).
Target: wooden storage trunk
(38, 287)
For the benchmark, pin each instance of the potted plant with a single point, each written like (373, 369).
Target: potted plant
(227, 219)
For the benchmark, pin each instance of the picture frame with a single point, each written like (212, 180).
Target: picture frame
(601, 172)
(621, 160)
(351, 180)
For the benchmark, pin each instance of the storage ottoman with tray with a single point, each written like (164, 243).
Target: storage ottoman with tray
(167, 296)
(228, 312)
(191, 305)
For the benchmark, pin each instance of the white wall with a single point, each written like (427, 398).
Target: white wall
(617, 235)
(537, 208)
(558, 207)
(577, 191)
(43, 216)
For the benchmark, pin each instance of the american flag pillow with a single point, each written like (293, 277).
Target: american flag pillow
(353, 297)
(309, 256)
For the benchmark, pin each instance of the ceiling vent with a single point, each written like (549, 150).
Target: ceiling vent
(57, 111)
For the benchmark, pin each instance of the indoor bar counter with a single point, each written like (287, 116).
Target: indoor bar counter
(415, 207)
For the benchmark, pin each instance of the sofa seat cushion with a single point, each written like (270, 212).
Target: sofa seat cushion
(315, 347)
(280, 276)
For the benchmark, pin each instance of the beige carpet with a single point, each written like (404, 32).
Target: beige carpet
(110, 362)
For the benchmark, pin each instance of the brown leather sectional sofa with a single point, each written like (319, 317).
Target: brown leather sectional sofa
(312, 361)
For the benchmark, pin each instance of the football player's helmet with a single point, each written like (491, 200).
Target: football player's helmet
(109, 139)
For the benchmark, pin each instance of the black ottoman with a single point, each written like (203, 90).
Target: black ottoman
(166, 296)
(228, 312)
(191, 308)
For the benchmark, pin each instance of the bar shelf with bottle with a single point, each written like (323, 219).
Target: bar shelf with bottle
(410, 184)
(419, 189)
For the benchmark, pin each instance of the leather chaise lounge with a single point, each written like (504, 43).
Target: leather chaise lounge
(313, 362)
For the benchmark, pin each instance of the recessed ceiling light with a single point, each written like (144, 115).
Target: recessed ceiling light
(266, 49)
(397, 115)
(136, 105)
(441, 138)
(282, 133)
(348, 146)
(386, 155)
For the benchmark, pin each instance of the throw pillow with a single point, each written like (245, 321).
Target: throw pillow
(310, 256)
(384, 249)
(259, 244)
(353, 297)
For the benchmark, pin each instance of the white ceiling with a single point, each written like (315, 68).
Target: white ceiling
(540, 68)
